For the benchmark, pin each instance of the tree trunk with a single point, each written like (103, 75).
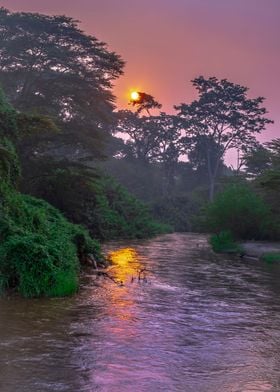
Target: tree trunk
(212, 177)
(211, 189)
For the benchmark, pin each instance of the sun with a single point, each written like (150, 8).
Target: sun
(134, 96)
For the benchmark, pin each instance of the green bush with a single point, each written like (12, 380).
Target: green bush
(241, 211)
(271, 257)
(224, 243)
(39, 248)
(118, 214)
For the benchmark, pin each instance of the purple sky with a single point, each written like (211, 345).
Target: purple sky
(166, 43)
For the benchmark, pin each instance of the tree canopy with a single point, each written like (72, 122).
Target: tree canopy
(49, 66)
(223, 115)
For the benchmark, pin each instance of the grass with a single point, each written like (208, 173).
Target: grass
(271, 257)
(224, 242)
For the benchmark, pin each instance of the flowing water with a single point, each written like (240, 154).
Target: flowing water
(195, 322)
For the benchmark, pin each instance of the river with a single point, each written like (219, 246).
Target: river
(195, 322)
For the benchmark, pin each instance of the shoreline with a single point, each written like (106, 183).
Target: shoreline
(256, 249)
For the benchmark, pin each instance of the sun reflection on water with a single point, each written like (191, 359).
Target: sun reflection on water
(125, 267)
(126, 262)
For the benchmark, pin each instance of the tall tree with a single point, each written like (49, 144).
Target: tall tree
(153, 139)
(199, 160)
(141, 133)
(225, 116)
(49, 66)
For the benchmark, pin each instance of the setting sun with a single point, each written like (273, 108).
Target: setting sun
(134, 96)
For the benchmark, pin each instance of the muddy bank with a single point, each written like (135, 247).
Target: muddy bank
(258, 249)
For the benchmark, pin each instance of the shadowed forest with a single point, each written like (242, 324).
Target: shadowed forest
(75, 170)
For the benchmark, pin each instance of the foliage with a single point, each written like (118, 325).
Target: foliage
(274, 148)
(143, 180)
(177, 206)
(224, 242)
(224, 117)
(149, 137)
(145, 102)
(8, 118)
(239, 209)
(270, 181)
(100, 204)
(120, 215)
(178, 211)
(38, 248)
(271, 257)
(153, 139)
(256, 160)
(49, 66)
(9, 165)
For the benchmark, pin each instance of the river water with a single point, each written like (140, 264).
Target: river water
(195, 322)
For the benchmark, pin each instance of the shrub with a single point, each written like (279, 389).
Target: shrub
(39, 248)
(271, 257)
(241, 211)
(224, 243)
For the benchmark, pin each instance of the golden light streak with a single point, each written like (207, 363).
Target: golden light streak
(126, 262)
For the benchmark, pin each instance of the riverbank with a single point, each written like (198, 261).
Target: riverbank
(260, 249)
(196, 308)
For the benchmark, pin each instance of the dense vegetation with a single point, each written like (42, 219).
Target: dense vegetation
(249, 208)
(40, 250)
(59, 81)
(97, 202)
(241, 211)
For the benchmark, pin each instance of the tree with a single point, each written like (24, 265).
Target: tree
(268, 183)
(170, 148)
(144, 101)
(224, 116)
(143, 134)
(49, 66)
(199, 160)
(153, 139)
(274, 149)
(257, 160)
(9, 168)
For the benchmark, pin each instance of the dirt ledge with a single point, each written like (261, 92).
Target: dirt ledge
(257, 249)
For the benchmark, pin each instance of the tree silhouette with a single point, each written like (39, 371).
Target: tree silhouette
(153, 139)
(49, 66)
(225, 117)
(145, 102)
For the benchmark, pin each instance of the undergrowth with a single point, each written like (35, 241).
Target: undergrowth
(39, 248)
(224, 242)
(271, 257)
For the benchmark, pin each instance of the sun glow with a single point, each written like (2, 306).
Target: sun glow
(134, 95)
(126, 262)
(122, 257)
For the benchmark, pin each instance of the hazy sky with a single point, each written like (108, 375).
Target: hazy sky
(166, 43)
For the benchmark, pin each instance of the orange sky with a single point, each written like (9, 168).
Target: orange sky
(166, 43)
